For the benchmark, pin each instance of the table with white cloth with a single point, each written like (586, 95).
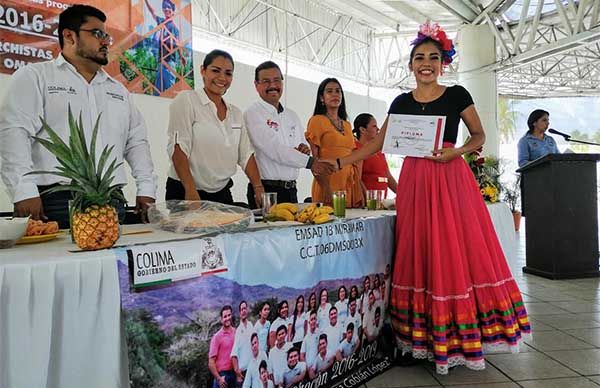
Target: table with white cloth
(60, 318)
(502, 219)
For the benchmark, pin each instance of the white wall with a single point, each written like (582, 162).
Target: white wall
(300, 96)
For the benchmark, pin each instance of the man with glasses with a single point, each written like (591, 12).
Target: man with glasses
(278, 138)
(76, 79)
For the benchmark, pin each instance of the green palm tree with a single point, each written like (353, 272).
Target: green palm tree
(578, 135)
(507, 119)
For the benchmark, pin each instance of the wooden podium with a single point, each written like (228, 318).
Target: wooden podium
(559, 194)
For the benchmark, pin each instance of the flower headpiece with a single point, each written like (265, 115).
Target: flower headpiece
(435, 32)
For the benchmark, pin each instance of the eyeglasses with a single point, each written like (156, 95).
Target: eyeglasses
(102, 36)
(275, 81)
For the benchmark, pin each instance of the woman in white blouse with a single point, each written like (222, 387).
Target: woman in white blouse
(342, 304)
(323, 310)
(208, 139)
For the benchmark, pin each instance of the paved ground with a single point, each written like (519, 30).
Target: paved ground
(564, 351)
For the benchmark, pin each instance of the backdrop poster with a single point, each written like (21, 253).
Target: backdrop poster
(152, 49)
(174, 295)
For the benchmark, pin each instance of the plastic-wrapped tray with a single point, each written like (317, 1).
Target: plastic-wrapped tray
(199, 217)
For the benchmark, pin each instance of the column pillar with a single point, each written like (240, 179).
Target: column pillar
(476, 46)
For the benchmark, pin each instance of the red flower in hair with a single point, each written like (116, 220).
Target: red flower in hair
(435, 32)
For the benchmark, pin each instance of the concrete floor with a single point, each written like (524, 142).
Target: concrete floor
(564, 351)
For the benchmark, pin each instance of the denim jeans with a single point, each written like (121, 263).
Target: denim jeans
(230, 378)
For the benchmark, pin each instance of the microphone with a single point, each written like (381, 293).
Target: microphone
(555, 132)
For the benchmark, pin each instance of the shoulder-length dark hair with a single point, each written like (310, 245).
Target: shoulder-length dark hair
(320, 108)
(280, 306)
(293, 329)
(345, 291)
(535, 116)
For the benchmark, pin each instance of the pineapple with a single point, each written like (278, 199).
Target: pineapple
(94, 222)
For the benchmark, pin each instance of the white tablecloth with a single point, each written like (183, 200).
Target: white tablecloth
(505, 228)
(60, 321)
(60, 313)
(60, 310)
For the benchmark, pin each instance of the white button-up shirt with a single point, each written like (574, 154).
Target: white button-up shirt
(46, 90)
(335, 335)
(213, 147)
(356, 320)
(241, 344)
(310, 347)
(252, 379)
(278, 361)
(274, 136)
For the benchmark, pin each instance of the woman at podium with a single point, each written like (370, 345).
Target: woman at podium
(536, 143)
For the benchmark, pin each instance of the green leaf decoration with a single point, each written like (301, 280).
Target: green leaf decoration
(90, 182)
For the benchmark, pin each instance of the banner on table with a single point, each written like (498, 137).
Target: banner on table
(271, 279)
(157, 264)
(152, 49)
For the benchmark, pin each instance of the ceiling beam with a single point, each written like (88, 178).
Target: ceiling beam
(490, 9)
(560, 46)
(408, 11)
(505, 7)
(521, 27)
(459, 9)
(363, 12)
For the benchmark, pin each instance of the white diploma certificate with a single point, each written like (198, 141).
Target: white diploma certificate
(414, 135)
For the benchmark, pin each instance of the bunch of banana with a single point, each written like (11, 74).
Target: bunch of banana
(282, 212)
(314, 214)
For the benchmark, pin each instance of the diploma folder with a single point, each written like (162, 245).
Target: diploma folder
(414, 135)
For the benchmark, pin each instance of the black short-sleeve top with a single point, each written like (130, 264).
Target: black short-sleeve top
(451, 103)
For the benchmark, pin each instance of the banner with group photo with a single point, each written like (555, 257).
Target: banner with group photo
(294, 307)
(152, 40)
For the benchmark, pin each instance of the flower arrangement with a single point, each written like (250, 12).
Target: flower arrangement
(490, 193)
(487, 174)
(435, 32)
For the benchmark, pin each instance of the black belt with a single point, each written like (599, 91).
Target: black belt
(284, 184)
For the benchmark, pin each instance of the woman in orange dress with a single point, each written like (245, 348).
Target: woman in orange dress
(329, 134)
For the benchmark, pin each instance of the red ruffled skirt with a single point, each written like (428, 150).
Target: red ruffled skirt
(453, 296)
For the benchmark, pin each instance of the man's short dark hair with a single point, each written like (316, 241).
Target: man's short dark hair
(281, 327)
(350, 327)
(241, 303)
(292, 350)
(262, 365)
(264, 66)
(224, 308)
(323, 336)
(73, 17)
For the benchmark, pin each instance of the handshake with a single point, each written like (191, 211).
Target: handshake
(323, 167)
(319, 166)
